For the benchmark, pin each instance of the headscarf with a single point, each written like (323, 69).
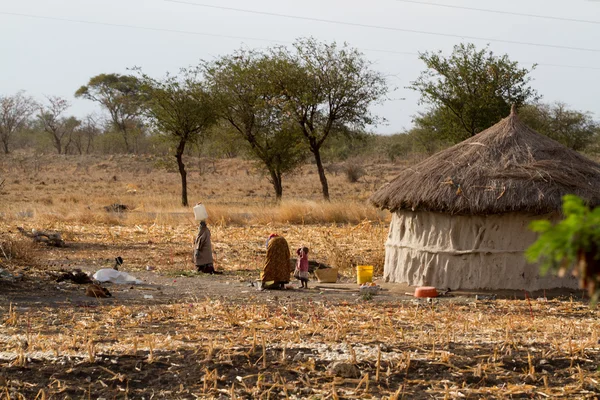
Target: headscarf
(277, 263)
(271, 236)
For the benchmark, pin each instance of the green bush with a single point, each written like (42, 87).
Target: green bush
(572, 243)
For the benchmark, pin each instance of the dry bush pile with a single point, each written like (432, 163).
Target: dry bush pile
(285, 350)
(16, 249)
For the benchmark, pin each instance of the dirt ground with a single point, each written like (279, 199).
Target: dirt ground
(236, 287)
(183, 335)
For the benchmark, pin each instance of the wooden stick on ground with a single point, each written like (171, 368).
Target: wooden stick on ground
(264, 346)
(378, 364)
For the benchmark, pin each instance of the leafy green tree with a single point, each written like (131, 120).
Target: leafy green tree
(345, 143)
(326, 87)
(223, 141)
(246, 98)
(59, 127)
(31, 136)
(120, 95)
(180, 108)
(394, 147)
(471, 90)
(15, 110)
(433, 130)
(425, 141)
(575, 129)
(571, 244)
(438, 123)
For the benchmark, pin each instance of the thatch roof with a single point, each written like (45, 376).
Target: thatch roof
(508, 167)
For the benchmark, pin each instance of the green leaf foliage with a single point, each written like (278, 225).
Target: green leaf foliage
(246, 96)
(120, 95)
(179, 108)
(327, 88)
(470, 90)
(574, 129)
(572, 243)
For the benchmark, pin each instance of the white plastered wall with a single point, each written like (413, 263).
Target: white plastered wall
(464, 252)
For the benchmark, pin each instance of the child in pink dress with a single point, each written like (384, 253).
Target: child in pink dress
(301, 272)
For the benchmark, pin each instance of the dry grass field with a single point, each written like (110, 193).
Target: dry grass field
(185, 336)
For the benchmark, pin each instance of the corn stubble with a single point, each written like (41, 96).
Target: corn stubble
(500, 352)
(252, 347)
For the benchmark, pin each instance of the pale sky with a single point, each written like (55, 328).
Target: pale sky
(55, 55)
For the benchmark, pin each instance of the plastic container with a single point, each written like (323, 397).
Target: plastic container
(114, 276)
(426, 291)
(364, 274)
(200, 212)
(327, 275)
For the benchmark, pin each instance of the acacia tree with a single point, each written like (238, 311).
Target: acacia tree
(223, 141)
(120, 95)
(327, 87)
(15, 110)
(60, 128)
(180, 108)
(471, 89)
(248, 100)
(83, 137)
(574, 129)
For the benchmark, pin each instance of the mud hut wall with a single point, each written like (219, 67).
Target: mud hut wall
(464, 252)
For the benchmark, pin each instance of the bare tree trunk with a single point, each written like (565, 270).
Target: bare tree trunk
(325, 187)
(67, 146)
(57, 144)
(126, 139)
(90, 142)
(277, 185)
(182, 172)
(136, 143)
(123, 128)
(5, 145)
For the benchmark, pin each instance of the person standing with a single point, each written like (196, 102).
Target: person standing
(203, 257)
(301, 272)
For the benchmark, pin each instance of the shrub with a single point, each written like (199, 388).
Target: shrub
(570, 244)
(354, 172)
(20, 250)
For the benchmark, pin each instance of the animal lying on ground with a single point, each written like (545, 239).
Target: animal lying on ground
(97, 291)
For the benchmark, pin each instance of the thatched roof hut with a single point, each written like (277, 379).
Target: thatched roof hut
(506, 168)
(461, 216)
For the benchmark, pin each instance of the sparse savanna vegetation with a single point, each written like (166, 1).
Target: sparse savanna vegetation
(270, 141)
(190, 336)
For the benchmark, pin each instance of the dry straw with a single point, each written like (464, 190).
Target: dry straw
(506, 168)
(211, 347)
(448, 344)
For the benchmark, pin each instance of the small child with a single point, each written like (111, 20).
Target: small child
(301, 272)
